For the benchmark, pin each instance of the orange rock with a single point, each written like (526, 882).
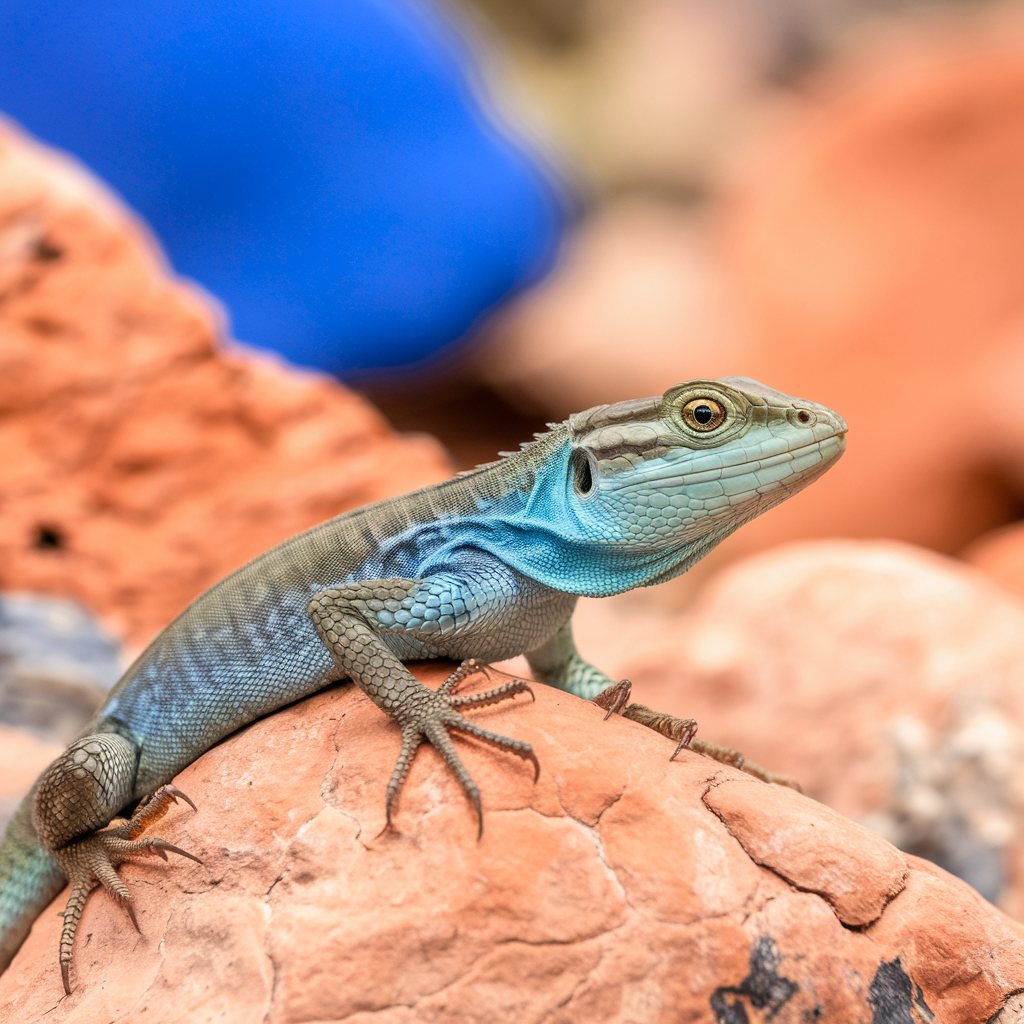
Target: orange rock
(1000, 555)
(142, 460)
(812, 847)
(884, 678)
(611, 890)
(879, 247)
(22, 759)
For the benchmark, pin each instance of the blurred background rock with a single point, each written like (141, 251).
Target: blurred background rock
(53, 654)
(57, 663)
(489, 215)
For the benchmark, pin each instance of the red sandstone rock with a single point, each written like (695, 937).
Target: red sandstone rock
(812, 847)
(879, 247)
(620, 887)
(886, 679)
(141, 460)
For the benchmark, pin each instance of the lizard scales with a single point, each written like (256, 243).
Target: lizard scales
(488, 565)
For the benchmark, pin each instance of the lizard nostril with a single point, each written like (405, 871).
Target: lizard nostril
(801, 417)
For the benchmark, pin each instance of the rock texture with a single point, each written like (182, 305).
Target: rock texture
(142, 460)
(888, 680)
(621, 887)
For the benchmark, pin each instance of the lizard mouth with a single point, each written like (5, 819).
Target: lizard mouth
(747, 504)
(829, 448)
(778, 474)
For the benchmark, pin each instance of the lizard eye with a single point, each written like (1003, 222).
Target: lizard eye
(703, 414)
(582, 473)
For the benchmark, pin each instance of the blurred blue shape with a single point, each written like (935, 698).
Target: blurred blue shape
(321, 166)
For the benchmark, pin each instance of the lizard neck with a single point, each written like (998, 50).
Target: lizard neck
(519, 510)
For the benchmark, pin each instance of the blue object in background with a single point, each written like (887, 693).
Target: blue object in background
(321, 166)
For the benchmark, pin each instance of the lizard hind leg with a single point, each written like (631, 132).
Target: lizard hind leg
(77, 795)
(93, 860)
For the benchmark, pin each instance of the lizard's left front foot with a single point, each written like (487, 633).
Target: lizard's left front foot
(683, 731)
(614, 699)
(432, 713)
(92, 860)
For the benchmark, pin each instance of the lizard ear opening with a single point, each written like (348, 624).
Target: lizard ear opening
(582, 473)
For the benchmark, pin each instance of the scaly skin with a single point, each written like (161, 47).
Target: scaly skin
(486, 566)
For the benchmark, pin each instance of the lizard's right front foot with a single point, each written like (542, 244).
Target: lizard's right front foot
(92, 860)
(429, 714)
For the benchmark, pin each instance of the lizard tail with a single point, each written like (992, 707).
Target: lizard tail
(29, 880)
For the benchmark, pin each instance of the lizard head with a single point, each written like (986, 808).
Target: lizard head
(682, 471)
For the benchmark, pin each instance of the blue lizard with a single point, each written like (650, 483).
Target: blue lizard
(485, 566)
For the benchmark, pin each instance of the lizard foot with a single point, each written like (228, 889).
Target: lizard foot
(92, 861)
(683, 731)
(726, 755)
(434, 715)
(615, 698)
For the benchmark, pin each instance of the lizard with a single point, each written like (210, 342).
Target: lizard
(483, 567)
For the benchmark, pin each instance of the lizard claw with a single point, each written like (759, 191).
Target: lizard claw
(173, 791)
(615, 698)
(131, 913)
(93, 859)
(158, 846)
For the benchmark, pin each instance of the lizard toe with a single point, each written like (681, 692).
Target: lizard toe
(524, 750)
(491, 696)
(615, 698)
(433, 716)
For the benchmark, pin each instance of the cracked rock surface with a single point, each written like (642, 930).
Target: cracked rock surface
(621, 887)
(885, 678)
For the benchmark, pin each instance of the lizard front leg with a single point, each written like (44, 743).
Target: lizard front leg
(78, 794)
(682, 731)
(430, 617)
(558, 663)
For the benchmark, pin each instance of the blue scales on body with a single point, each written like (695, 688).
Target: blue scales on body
(486, 566)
